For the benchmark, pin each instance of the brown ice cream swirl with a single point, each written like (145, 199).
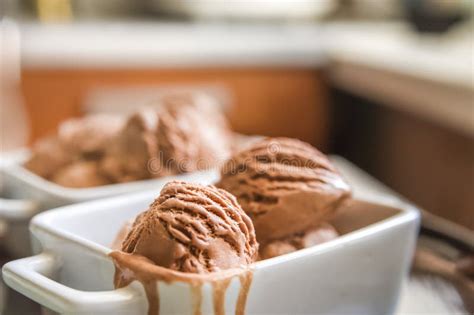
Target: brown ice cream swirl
(286, 186)
(192, 133)
(71, 157)
(88, 136)
(176, 134)
(183, 134)
(48, 155)
(80, 174)
(193, 228)
(128, 155)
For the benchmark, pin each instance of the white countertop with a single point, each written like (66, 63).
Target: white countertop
(396, 48)
(389, 46)
(429, 75)
(135, 45)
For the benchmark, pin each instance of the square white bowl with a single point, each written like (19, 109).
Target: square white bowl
(358, 273)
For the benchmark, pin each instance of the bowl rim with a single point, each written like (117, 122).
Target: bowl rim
(15, 169)
(43, 223)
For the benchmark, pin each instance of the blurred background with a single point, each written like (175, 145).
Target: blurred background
(386, 84)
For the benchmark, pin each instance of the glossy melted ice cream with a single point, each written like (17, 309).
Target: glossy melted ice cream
(193, 233)
(190, 233)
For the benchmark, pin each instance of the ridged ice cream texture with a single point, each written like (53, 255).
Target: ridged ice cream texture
(184, 134)
(285, 185)
(193, 228)
(78, 141)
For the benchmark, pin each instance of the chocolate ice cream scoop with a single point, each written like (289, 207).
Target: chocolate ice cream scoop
(47, 156)
(192, 133)
(184, 134)
(286, 186)
(77, 140)
(89, 135)
(312, 237)
(193, 228)
(130, 153)
(80, 174)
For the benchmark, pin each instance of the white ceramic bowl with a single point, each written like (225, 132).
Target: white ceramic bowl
(29, 194)
(358, 273)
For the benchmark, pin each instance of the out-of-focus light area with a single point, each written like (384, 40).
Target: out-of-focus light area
(388, 84)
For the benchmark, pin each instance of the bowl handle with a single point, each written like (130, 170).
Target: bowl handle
(17, 209)
(28, 276)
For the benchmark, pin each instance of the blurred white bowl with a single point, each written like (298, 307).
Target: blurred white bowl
(30, 194)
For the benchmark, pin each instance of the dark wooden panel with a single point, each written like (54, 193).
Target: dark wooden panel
(275, 102)
(430, 165)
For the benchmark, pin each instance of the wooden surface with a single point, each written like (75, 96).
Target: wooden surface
(447, 105)
(431, 165)
(274, 102)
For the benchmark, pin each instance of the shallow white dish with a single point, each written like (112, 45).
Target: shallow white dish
(358, 273)
(29, 194)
